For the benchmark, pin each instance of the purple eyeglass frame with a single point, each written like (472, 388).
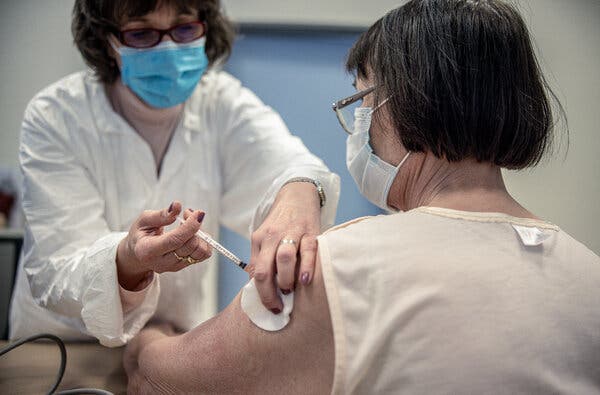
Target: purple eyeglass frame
(161, 32)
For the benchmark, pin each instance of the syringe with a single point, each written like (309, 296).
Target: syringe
(214, 244)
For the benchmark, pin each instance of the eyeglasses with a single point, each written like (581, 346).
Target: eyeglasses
(344, 109)
(148, 37)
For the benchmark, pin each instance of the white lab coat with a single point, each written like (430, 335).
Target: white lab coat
(88, 175)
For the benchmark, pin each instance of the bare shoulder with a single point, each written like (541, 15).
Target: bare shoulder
(229, 354)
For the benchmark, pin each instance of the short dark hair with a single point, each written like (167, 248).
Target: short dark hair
(463, 80)
(93, 20)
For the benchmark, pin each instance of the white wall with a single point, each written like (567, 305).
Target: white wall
(36, 49)
(566, 190)
(308, 12)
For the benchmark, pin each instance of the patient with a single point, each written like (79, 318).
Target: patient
(466, 291)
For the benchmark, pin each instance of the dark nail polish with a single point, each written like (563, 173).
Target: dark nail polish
(171, 207)
(275, 311)
(304, 279)
(286, 291)
(201, 217)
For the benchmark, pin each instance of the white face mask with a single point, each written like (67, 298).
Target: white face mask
(372, 175)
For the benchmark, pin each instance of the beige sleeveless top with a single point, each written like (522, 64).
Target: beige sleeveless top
(437, 301)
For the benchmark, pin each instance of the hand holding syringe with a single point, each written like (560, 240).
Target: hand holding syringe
(214, 244)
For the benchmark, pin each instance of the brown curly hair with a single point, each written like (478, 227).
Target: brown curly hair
(94, 20)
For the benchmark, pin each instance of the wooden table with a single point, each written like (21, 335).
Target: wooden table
(32, 368)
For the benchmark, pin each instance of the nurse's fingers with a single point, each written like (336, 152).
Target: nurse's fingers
(264, 277)
(194, 251)
(202, 252)
(187, 213)
(308, 257)
(287, 253)
(177, 237)
(187, 249)
(159, 218)
(173, 263)
(195, 248)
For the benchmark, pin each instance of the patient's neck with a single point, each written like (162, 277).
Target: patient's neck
(467, 185)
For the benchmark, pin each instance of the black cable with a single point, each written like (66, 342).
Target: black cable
(61, 345)
(61, 370)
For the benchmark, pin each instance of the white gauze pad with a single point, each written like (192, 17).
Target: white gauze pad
(258, 313)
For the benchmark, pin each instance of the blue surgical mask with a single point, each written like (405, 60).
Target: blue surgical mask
(164, 75)
(373, 175)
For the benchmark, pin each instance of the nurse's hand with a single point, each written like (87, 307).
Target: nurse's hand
(147, 248)
(289, 232)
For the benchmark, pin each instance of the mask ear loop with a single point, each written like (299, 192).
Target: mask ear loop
(371, 113)
(377, 108)
(380, 104)
(403, 160)
(113, 42)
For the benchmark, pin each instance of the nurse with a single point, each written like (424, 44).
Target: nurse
(154, 130)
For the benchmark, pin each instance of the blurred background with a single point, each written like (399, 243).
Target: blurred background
(291, 54)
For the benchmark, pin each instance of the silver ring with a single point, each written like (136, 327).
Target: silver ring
(287, 241)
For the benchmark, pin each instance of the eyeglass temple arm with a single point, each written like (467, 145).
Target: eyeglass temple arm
(352, 99)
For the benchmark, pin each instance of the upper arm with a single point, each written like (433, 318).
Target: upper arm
(229, 353)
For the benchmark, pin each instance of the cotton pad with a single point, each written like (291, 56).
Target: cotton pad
(259, 314)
